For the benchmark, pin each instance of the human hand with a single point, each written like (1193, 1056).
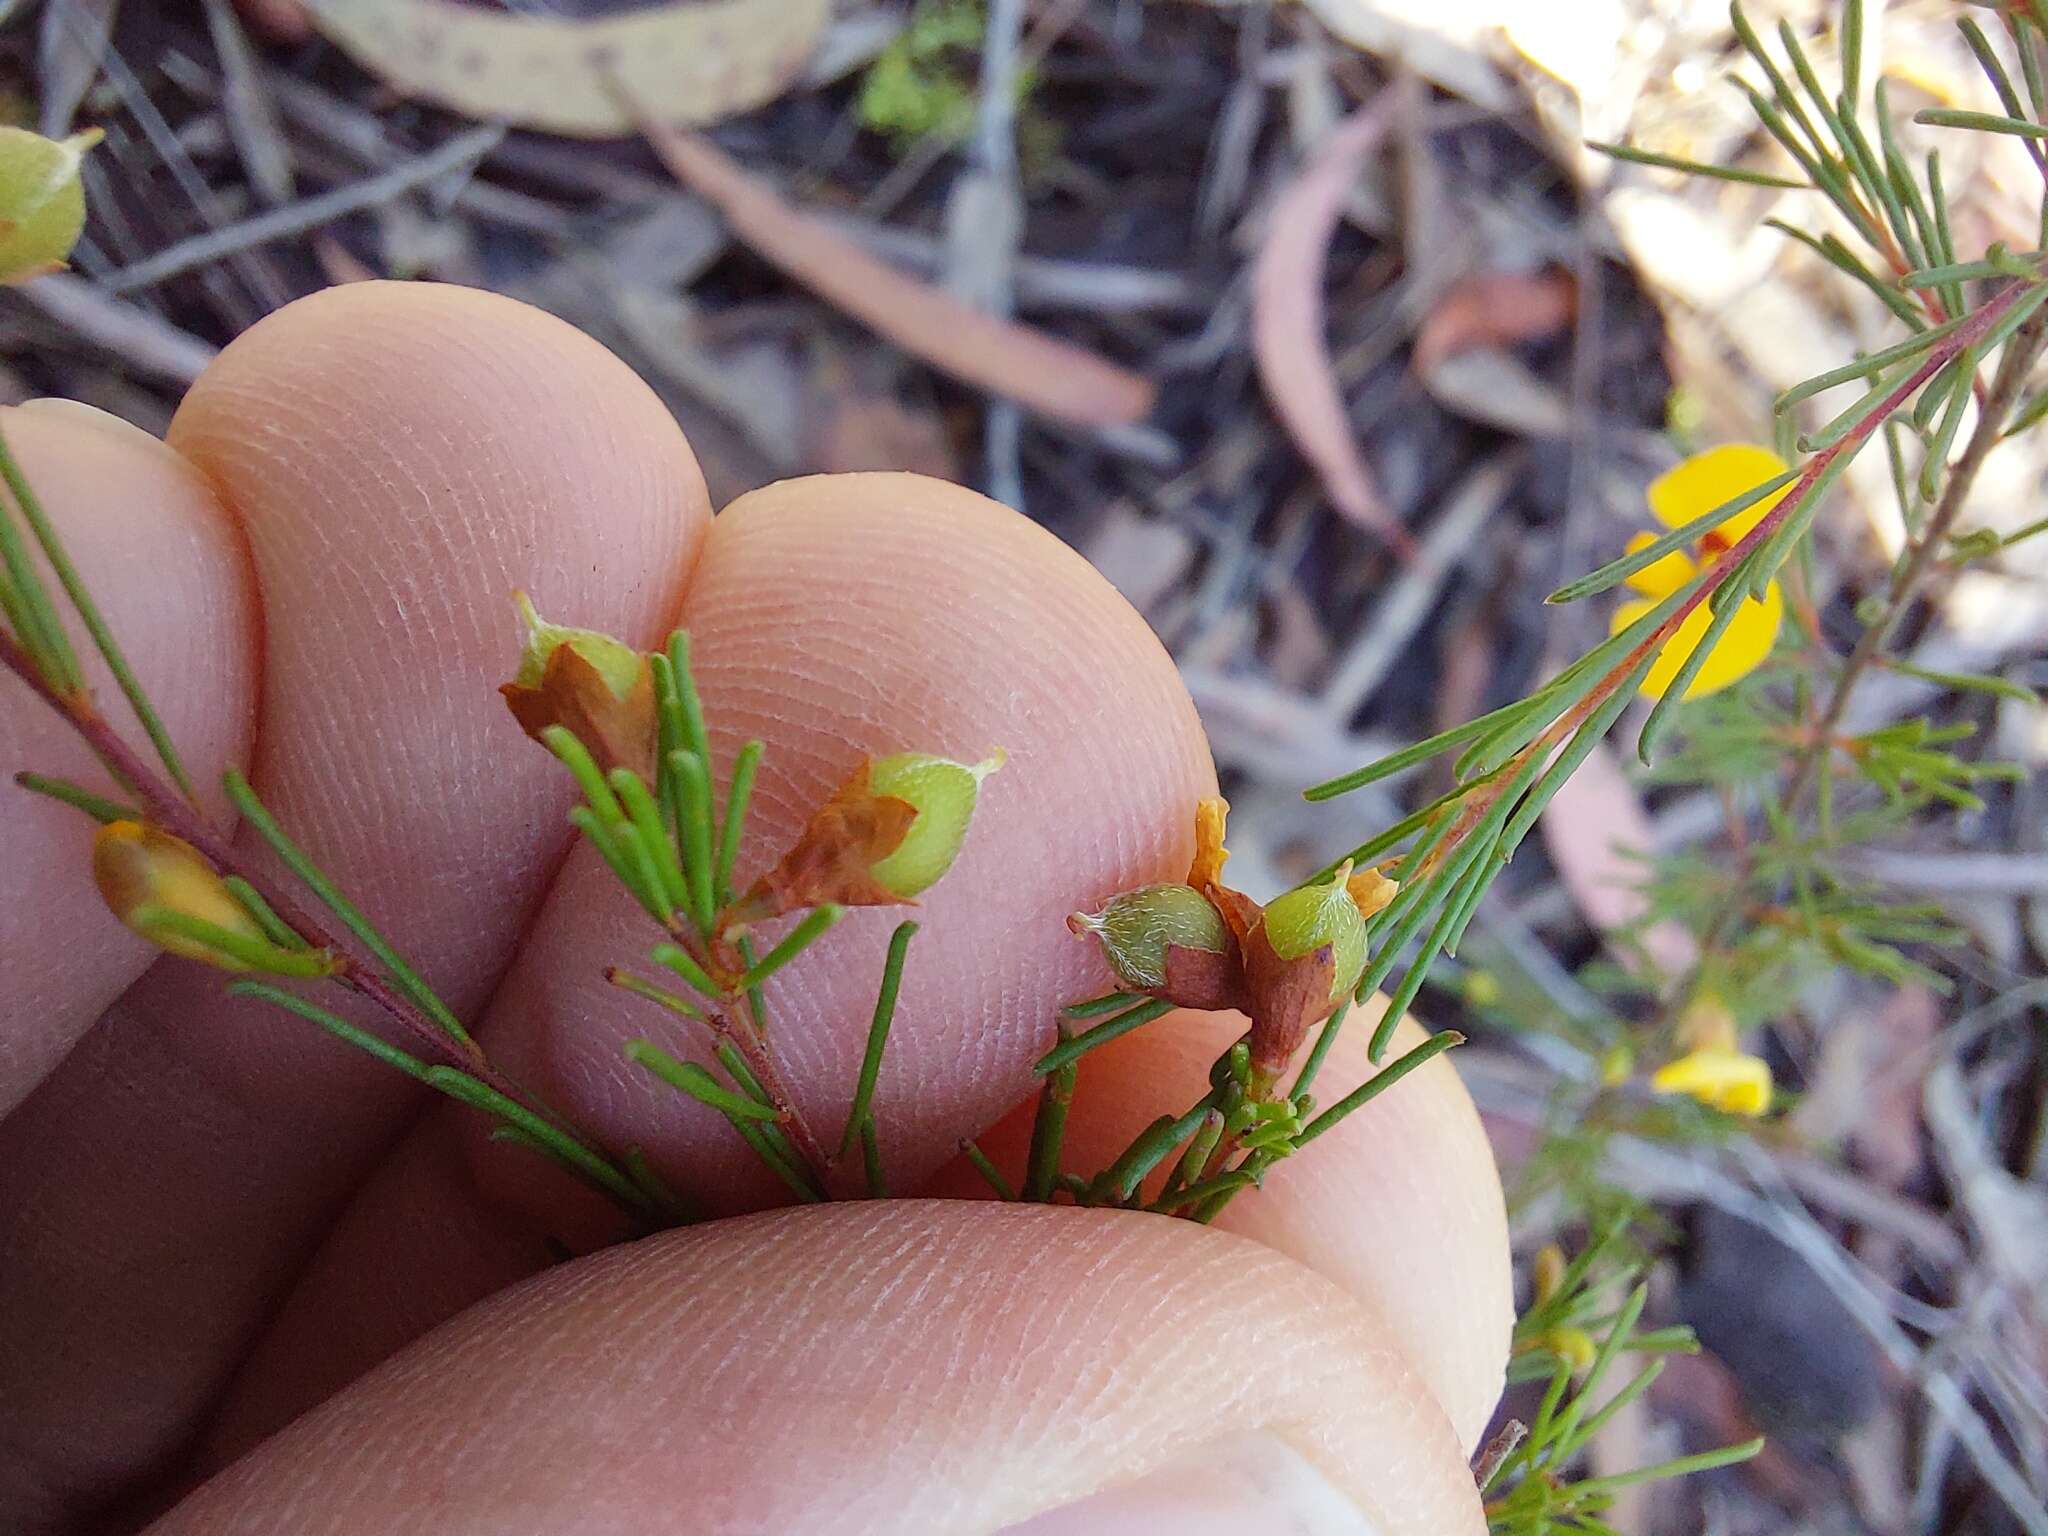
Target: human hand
(214, 1218)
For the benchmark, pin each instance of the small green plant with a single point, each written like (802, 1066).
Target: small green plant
(922, 86)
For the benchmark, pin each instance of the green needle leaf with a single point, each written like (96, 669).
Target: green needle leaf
(551, 1139)
(988, 1170)
(1073, 1048)
(1981, 122)
(1378, 1084)
(1690, 167)
(744, 769)
(878, 1034)
(334, 1024)
(402, 976)
(88, 614)
(799, 939)
(98, 807)
(1617, 571)
(696, 1082)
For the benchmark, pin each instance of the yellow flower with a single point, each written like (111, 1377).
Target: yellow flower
(1686, 491)
(1731, 1081)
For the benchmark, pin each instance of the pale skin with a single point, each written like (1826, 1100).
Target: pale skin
(215, 1220)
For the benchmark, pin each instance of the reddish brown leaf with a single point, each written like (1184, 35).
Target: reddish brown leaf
(1492, 309)
(573, 694)
(1287, 997)
(1288, 340)
(1051, 376)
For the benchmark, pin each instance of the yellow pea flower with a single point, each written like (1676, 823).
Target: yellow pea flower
(1731, 1081)
(1682, 493)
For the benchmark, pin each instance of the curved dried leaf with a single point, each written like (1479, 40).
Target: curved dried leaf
(1040, 371)
(697, 61)
(1494, 309)
(1288, 340)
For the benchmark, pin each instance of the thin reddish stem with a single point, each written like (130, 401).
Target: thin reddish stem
(182, 819)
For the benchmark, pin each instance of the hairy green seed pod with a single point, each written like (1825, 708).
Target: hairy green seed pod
(42, 202)
(1138, 927)
(616, 662)
(1305, 919)
(943, 793)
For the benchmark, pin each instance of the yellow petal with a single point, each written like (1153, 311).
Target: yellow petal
(1574, 1346)
(1662, 576)
(1209, 850)
(1705, 481)
(1731, 1081)
(1627, 613)
(1748, 641)
(1372, 891)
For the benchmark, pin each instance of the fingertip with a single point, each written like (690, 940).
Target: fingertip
(905, 1365)
(1401, 1204)
(403, 458)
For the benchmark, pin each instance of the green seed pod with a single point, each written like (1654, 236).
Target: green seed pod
(616, 662)
(943, 794)
(42, 203)
(1138, 927)
(1304, 920)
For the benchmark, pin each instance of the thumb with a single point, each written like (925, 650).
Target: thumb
(929, 1366)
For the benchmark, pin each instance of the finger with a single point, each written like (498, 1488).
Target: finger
(922, 1366)
(155, 548)
(1400, 1204)
(401, 458)
(831, 617)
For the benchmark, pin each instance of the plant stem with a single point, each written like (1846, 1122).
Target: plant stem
(1921, 555)
(1908, 577)
(178, 816)
(761, 1062)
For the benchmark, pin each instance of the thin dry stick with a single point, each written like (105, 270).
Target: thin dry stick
(460, 153)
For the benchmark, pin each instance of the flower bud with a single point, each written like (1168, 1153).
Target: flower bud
(598, 688)
(1312, 916)
(943, 795)
(1574, 1346)
(42, 202)
(1138, 928)
(142, 871)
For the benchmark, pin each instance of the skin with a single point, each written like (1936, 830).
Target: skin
(216, 1220)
